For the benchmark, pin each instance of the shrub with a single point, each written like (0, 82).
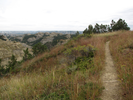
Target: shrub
(27, 55)
(39, 48)
(11, 64)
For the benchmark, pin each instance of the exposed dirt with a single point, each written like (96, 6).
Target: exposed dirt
(109, 78)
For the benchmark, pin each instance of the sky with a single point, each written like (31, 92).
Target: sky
(62, 15)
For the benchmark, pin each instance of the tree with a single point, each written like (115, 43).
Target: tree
(112, 25)
(27, 55)
(77, 33)
(109, 28)
(96, 28)
(121, 25)
(11, 64)
(39, 48)
(90, 29)
(103, 28)
(85, 31)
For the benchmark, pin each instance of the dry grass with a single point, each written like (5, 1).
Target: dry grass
(122, 51)
(107, 34)
(45, 76)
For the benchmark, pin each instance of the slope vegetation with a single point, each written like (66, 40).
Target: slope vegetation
(69, 72)
(72, 71)
(121, 47)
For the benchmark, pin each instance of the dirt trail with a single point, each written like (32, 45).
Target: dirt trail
(109, 78)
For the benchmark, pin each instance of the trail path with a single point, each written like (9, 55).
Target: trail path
(109, 78)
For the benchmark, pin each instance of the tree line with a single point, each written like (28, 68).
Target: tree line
(114, 26)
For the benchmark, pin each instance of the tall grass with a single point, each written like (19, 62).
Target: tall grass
(121, 47)
(45, 76)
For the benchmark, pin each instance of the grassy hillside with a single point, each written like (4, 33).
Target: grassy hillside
(121, 47)
(55, 75)
(71, 71)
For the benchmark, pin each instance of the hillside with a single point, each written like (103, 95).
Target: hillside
(45, 38)
(7, 48)
(72, 71)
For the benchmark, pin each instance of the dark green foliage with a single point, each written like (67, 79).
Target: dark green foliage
(58, 38)
(39, 48)
(97, 28)
(73, 35)
(114, 26)
(119, 25)
(27, 55)
(14, 39)
(55, 40)
(2, 37)
(10, 67)
(35, 42)
(26, 37)
(88, 89)
(88, 31)
(11, 64)
(60, 94)
(85, 31)
(103, 28)
(13, 61)
(84, 63)
(48, 45)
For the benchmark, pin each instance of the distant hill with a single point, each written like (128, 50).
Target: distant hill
(16, 33)
(50, 39)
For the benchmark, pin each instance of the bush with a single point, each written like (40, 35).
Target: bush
(79, 58)
(39, 48)
(11, 64)
(27, 55)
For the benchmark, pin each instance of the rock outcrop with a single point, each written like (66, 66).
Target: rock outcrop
(7, 48)
(2, 37)
(32, 39)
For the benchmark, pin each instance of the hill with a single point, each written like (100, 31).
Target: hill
(72, 71)
(50, 39)
(7, 48)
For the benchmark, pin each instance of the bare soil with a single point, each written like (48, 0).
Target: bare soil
(109, 78)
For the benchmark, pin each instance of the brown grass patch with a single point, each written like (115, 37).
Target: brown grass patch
(123, 57)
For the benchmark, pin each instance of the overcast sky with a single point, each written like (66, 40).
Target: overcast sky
(38, 15)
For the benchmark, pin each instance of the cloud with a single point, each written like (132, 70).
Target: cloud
(62, 14)
(1, 17)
